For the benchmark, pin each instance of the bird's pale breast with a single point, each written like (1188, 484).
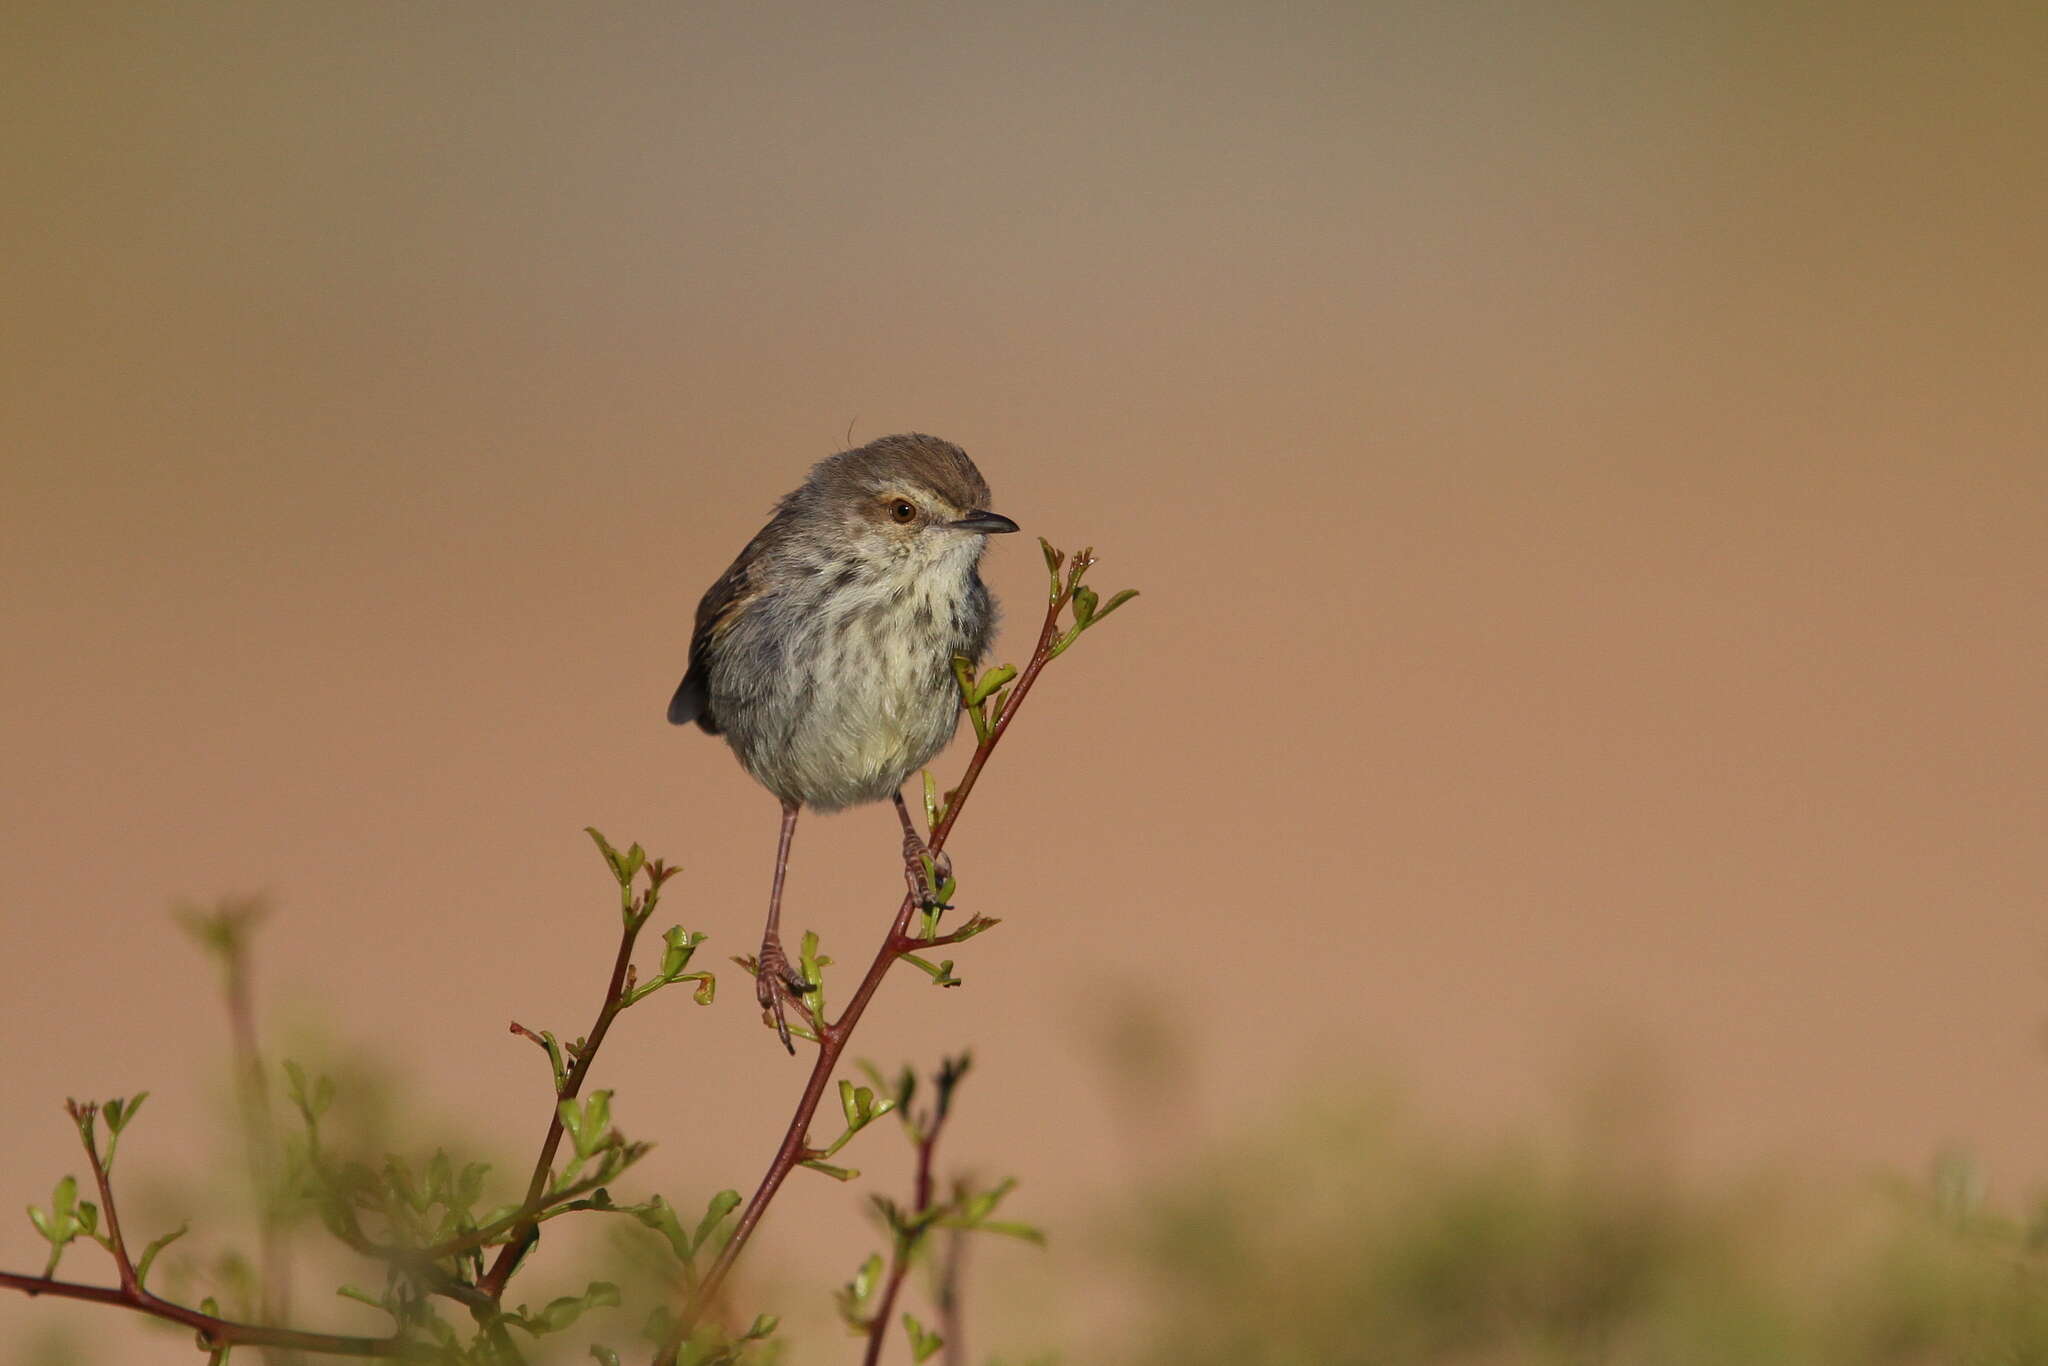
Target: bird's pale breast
(863, 694)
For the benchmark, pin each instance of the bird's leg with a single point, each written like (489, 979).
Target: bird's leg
(915, 852)
(775, 980)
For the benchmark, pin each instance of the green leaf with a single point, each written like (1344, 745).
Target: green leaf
(763, 1325)
(157, 1245)
(989, 682)
(572, 1122)
(64, 1196)
(1115, 602)
(720, 1205)
(941, 975)
(398, 1179)
(349, 1292)
(892, 1214)
(660, 1216)
(440, 1177)
(1053, 560)
(868, 1279)
(119, 1112)
(812, 965)
(562, 1312)
(612, 856)
(1011, 1229)
(836, 1173)
(681, 944)
(589, 1124)
(1084, 606)
(891, 1094)
(977, 1207)
(860, 1106)
(934, 811)
(923, 1345)
(706, 1347)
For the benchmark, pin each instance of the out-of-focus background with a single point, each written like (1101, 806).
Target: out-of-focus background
(1587, 468)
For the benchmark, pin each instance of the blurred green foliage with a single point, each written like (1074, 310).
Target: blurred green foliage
(1346, 1238)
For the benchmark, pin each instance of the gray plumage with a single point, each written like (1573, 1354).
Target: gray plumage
(824, 654)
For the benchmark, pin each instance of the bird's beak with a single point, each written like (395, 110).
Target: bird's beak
(987, 523)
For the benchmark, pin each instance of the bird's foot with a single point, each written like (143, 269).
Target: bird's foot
(777, 983)
(926, 890)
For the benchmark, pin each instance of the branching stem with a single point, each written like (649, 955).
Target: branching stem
(493, 1283)
(905, 1243)
(214, 1332)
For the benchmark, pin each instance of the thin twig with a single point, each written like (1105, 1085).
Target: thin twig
(83, 1116)
(493, 1283)
(904, 1245)
(213, 1331)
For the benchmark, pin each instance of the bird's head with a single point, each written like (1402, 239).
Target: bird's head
(902, 498)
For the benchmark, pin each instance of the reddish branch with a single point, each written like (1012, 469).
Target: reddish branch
(908, 1237)
(493, 1283)
(214, 1332)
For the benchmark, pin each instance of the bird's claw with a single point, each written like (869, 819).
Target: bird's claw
(915, 852)
(776, 983)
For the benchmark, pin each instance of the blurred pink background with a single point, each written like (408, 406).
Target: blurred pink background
(1587, 471)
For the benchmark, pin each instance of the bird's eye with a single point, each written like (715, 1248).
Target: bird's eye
(903, 510)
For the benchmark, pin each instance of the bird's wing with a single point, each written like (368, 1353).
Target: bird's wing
(722, 601)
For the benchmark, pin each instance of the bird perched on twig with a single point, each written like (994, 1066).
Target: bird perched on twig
(824, 654)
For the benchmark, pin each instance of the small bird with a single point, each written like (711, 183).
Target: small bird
(824, 655)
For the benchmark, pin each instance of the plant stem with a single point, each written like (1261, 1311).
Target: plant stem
(213, 1332)
(84, 1114)
(905, 1244)
(493, 1283)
